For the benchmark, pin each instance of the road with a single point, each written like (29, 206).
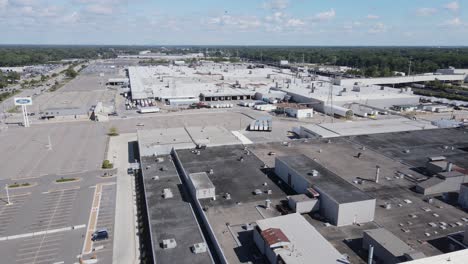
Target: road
(126, 248)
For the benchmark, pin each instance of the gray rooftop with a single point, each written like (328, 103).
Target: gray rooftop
(327, 181)
(230, 175)
(390, 242)
(172, 217)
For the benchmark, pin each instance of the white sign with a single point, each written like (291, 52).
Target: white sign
(23, 101)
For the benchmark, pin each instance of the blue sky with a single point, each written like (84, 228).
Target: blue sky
(234, 22)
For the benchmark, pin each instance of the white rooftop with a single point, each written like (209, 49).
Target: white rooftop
(457, 257)
(352, 128)
(210, 79)
(307, 243)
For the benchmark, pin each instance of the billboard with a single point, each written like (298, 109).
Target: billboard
(23, 101)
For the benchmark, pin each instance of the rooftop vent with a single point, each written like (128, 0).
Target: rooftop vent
(167, 193)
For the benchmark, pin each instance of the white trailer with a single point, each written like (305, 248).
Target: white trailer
(146, 110)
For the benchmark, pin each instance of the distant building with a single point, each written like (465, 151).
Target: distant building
(387, 248)
(291, 239)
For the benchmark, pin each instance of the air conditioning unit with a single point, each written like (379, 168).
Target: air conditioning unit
(169, 243)
(167, 193)
(199, 248)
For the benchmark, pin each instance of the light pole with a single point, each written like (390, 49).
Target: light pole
(8, 195)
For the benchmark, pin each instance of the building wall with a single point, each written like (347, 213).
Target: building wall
(380, 253)
(463, 197)
(328, 207)
(448, 185)
(302, 207)
(294, 180)
(206, 193)
(361, 212)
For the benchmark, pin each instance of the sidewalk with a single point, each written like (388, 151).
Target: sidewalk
(125, 241)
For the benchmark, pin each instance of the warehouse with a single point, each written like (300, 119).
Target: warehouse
(173, 228)
(340, 202)
(402, 79)
(291, 239)
(387, 248)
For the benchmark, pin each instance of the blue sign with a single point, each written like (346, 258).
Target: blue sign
(23, 101)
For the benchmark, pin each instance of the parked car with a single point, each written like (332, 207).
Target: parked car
(100, 234)
(130, 171)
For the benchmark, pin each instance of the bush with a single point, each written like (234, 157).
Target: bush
(106, 164)
(65, 179)
(113, 132)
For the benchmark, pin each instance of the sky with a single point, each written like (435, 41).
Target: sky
(235, 22)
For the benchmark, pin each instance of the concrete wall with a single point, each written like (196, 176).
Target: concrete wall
(463, 197)
(380, 253)
(361, 212)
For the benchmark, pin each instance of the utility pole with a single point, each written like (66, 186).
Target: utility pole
(409, 67)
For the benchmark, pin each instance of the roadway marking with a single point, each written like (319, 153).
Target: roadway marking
(88, 243)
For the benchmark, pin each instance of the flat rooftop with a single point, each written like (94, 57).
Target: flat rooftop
(162, 140)
(230, 175)
(172, 217)
(307, 242)
(339, 189)
(414, 147)
(350, 128)
(210, 79)
(389, 241)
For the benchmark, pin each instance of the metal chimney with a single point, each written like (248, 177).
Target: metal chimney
(449, 166)
(371, 254)
(377, 173)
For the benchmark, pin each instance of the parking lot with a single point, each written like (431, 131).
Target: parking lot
(47, 222)
(76, 147)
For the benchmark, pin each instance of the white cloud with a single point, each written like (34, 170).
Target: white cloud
(235, 22)
(370, 16)
(455, 22)
(99, 9)
(294, 22)
(426, 11)
(276, 4)
(327, 15)
(378, 28)
(453, 6)
(277, 17)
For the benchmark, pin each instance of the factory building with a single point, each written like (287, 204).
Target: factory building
(340, 202)
(402, 79)
(448, 177)
(456, 257)
(291, 239)
(385, 248)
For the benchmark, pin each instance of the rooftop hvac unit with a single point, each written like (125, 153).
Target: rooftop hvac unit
(167, 193)
(169, 243)
(199, 248)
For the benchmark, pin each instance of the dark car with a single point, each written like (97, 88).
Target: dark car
(130, 171)
(100, 234)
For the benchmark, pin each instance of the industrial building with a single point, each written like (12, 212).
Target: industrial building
(385, 248)
(174, 233)
(450, 77)
(456, 257)
(206, 82)
(291, 239)
(353, 128)
(340, 202)
(447, 178)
